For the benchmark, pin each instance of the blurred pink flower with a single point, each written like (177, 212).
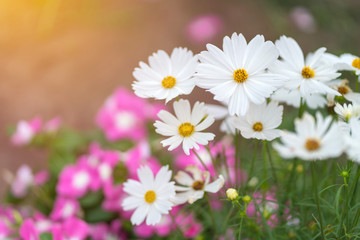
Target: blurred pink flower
(25, 131)
(204, 28)
(52, 125)
(64, 208)
(303, 19)
(103, 231)
(28, 230)
(41, 177)
(74, 181)
(188, 225)
(123, 116)
(72, 228)
(23, 180)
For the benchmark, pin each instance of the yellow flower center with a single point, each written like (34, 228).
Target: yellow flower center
(240, 75)
(356, 63)
(198, 185)
(150, 196)
(343, 89)
(258, 127)
(186, 129)
(307, 72)
(312, 144)
(168, 82)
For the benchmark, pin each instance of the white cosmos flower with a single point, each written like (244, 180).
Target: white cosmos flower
(293, 98)
(166, 77)
(349, 62)
(196, 185)
(150, 197)
(260, 121)
(186, 127)
(347, 111)
(341, 85)
(236, 75)
(309, 74)
(353, 140)
(312, 140)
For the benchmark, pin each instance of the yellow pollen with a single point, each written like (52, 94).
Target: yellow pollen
(168, 82)
(198, 185)
(307, 72)
(258, 127)
(186, 129)
(240, 75)
(356, 63)
(312, 144)
(343, 89)
(150, 196)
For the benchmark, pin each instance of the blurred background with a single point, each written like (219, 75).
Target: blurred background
(64, 57)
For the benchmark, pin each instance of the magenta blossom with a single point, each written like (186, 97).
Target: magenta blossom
(103, 231)
(204, 28)
(28, 230)
(26, 131)
(123, 116)
(72, 228)
(64, 208)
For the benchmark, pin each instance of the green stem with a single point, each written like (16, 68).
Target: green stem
(211, 214)
(240, 227)
(173, 219)
(357, 83)
(316, 193)
(271, 163)
(227, 218)
(202, 162)
(252, 163)
(237, 157)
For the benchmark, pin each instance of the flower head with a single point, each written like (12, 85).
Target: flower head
(167, 76)
(186, 127)
(236, 75)
(194, 187)
(312, 140)
(308, 74)
(150, 197)
(260, 122)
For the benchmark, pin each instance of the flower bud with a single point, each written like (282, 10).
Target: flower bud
(246, 199)
(232, 194)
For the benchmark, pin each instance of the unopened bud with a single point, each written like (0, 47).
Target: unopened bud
(344, 173)
(246, 199)
(232, 194)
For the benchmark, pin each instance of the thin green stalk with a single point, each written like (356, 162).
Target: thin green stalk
(237, 157)
(202, 162)
(357, 83)
(317, 200)
(240, 227)
(271, 163)
(287, 188)
(227, 218)
(173, 219)
(355, 182)
(212, 159)
(252, 163)
(211, 214)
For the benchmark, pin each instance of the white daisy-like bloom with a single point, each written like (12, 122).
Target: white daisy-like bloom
(236, 75)
(260, 121)
(221, 113)
(353, 140)
(150, 197)
(186, 127)
(193, 187)
(341, 85)
(349, 62)
(293, 98)
(347, 111)
(312, 140)
(167, 76)
(309, 74)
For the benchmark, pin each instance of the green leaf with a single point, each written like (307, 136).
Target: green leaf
(91, 199)
(46, 236)
(99, 215)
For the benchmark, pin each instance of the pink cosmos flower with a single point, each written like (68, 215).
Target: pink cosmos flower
(188, 225)
(42, 223)
(72, 228)
(303, 19)
(41, 177)
(204, 28)
(140, 155)
(103, 231)
(25, 131)
(114, 196)
(74, 181)
(64, 208)
(123, 116)
(28, 230)
(153, 109)
(23, 180)
(52, 125)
